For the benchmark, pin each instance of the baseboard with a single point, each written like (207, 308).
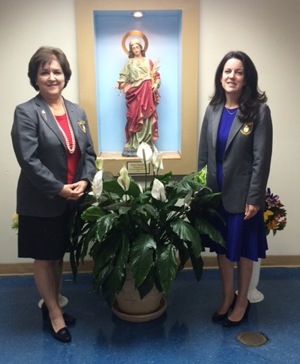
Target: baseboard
(27, 268)
(288, 261)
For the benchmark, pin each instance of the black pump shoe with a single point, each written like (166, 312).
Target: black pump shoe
(218, 318)
(229, 323)
(69, 319)
(45, 311)
(63, 335)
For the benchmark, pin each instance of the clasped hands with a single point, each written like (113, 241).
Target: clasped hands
(73, 191)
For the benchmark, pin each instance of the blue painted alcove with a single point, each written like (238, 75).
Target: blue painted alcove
(163, 30)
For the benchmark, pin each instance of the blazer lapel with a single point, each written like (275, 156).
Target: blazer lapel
(48, 118)
(236, 126)
(216, 118)
(73, 120)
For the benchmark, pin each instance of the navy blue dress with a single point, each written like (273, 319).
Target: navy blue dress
(244, 238)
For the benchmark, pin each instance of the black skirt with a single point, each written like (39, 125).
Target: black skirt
(43, 238)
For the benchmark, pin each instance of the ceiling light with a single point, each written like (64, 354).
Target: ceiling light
(138, 14)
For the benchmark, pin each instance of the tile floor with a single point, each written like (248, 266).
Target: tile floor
(184, 334)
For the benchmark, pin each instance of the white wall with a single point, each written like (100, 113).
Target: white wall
(25, 25)
(268, 30)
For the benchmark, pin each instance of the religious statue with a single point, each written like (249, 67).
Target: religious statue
(139, 79)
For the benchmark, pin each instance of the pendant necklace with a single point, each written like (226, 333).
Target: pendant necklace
(69, 146)
(231, 113)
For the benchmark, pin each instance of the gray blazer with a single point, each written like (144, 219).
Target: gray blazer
(40, 150)
(247, 158)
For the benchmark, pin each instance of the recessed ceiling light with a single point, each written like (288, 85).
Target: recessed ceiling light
(138, 14)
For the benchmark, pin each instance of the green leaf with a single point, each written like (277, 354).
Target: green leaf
(206, 228)
(201, 176)
(113, 282)
(92, 213)
(197, 264)
(185, 231)
(113, 187)
(105, 224)
(165, 178)
(142, 257)
(147, 285)
(133, 189)
(146, 210)
(166, 267)
(184, 256)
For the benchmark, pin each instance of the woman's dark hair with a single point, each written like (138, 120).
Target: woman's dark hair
(45, 55)
(251, 96)
(131, 54)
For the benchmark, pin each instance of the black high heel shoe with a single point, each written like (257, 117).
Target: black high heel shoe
(69, 319)
(229, 323)
(218, 318)
(63, 335)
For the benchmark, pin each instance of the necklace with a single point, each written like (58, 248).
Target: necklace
(69, 146)
(231, 113)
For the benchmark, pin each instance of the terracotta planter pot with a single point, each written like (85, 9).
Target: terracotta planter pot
(130, 307)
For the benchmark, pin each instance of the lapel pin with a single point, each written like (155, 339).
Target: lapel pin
(82, 126)
(44, 114)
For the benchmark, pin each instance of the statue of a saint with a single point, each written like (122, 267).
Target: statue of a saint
(139, 79)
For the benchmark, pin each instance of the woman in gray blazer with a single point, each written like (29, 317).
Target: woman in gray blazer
(236, 146)
(53, 146)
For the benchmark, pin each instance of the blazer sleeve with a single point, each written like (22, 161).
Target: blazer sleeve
(203, 142)
(25, 140)
(262, 152)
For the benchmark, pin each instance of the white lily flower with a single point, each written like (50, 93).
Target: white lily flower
(123, 179)
(158, 190)
(161, 165)
(188, 198)
(97, 184)
(144, 152)
(158, 165)
(99, 163)
(155, 156)
(140, 187)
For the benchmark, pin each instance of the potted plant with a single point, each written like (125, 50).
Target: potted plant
(150, 232)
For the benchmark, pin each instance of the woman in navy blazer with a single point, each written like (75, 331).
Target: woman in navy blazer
(53, 146)
(236, 146)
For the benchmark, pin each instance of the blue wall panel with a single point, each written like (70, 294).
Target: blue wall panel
(163, 30)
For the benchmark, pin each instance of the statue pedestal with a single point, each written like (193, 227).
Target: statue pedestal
(254, 295)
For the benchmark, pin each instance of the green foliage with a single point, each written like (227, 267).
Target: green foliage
(152, 237)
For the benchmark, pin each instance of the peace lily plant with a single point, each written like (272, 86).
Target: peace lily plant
(151, 230)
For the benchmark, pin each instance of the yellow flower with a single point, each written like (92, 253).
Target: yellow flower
(267, 214)
(15, 221)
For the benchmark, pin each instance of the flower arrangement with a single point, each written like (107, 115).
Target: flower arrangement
(15, 221)
(152, 230)
(274, 214)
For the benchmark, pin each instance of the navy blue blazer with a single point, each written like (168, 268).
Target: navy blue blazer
(40, 150)
(247, 157)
